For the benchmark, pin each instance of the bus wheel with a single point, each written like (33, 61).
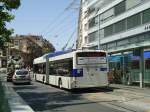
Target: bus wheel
(60, 83)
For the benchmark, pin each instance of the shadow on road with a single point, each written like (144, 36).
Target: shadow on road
(91, 90)
(53, 99)
(23, 86)
(40, 101)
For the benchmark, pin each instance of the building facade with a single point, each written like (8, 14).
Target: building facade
(82, 26)
(122, 28)
(24, 48)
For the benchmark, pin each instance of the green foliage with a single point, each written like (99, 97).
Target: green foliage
(6, 6)
(47, 47)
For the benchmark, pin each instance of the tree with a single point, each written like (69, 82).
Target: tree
(6, 6)
(47, 47)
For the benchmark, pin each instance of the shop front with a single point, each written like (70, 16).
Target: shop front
(129, 60)
(127, 69)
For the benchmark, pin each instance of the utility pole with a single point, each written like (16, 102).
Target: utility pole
(73, 5)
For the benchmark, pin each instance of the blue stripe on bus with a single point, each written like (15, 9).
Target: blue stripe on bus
(77, 72)
(57, 53)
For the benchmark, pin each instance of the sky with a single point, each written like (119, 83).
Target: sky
(49, 19)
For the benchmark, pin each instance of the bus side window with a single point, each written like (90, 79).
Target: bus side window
(62, 68)
(35, 68)
(44, 68)
(52, 69)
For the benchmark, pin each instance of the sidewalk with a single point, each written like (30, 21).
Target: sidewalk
(3, 101)
(129, 98)
(134, 96)
(15, 102)
(143, 91)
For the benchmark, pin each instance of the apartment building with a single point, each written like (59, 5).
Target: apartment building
(122, 28)
(83, 26)
(25, 48)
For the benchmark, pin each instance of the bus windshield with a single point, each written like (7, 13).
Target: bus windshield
(84, 58)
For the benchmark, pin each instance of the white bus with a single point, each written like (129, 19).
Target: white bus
(78, 69)
(73, 69)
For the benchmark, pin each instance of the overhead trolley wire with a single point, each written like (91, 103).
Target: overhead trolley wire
(52, 23)
(58, 22)
(54, 27)
(61, 34)
(65, 46)
(64, 27)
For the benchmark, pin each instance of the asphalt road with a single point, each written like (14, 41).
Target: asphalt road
(45, 98)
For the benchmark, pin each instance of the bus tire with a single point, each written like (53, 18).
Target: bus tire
(60, 83)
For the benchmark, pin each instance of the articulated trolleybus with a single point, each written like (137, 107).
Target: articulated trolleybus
(75, 69)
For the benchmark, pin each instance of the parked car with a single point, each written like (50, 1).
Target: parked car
(21, 76)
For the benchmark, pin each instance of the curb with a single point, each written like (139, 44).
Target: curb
(16, 103)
